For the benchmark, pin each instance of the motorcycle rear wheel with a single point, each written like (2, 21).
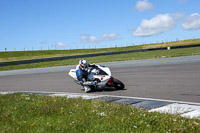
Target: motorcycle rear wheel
(118, 84)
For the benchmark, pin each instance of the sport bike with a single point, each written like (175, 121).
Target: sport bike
(102, 76)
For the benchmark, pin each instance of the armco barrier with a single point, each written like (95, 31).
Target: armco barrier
(10, 63)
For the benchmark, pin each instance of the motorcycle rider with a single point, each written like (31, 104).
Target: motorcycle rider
(82, 72)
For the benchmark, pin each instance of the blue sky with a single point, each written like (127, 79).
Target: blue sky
(65, 24)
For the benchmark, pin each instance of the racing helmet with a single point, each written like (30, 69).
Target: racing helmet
(83, 65)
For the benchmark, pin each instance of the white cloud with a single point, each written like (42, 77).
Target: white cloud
(109, 37)
(192, 22)
(84, 39)
(156, 25)
(60, 44)
(144, 5)
(94, 39)
(89, 39)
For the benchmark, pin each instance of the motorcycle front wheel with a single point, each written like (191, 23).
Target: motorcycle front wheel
(118, 84)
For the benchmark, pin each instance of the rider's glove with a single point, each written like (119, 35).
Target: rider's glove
(94, 83)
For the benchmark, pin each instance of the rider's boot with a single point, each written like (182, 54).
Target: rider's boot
(87, 88)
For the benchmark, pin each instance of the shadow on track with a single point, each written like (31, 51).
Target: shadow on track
(106, 89)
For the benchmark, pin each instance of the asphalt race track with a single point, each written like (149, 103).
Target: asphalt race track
(175, 78)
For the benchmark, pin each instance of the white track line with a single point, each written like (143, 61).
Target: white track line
(92, 95)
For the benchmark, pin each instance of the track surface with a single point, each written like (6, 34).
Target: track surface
(168, 78)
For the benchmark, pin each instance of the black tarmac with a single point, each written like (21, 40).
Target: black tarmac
(168, 78)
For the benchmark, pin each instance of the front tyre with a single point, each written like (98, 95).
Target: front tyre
(118, 84)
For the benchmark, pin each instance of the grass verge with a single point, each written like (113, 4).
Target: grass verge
(36, 113)
(110, 58)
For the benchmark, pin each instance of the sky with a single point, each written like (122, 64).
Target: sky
(77, 24)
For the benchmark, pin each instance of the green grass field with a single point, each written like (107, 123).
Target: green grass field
(110, 58)
(23, 55)
(35, 113)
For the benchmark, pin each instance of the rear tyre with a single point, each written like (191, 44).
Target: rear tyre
(118, 84)
(92, 87)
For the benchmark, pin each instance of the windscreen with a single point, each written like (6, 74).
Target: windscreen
(98, 71)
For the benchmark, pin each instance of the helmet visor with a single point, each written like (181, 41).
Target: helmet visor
(84, 67)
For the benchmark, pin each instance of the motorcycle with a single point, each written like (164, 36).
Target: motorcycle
(102, 76)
